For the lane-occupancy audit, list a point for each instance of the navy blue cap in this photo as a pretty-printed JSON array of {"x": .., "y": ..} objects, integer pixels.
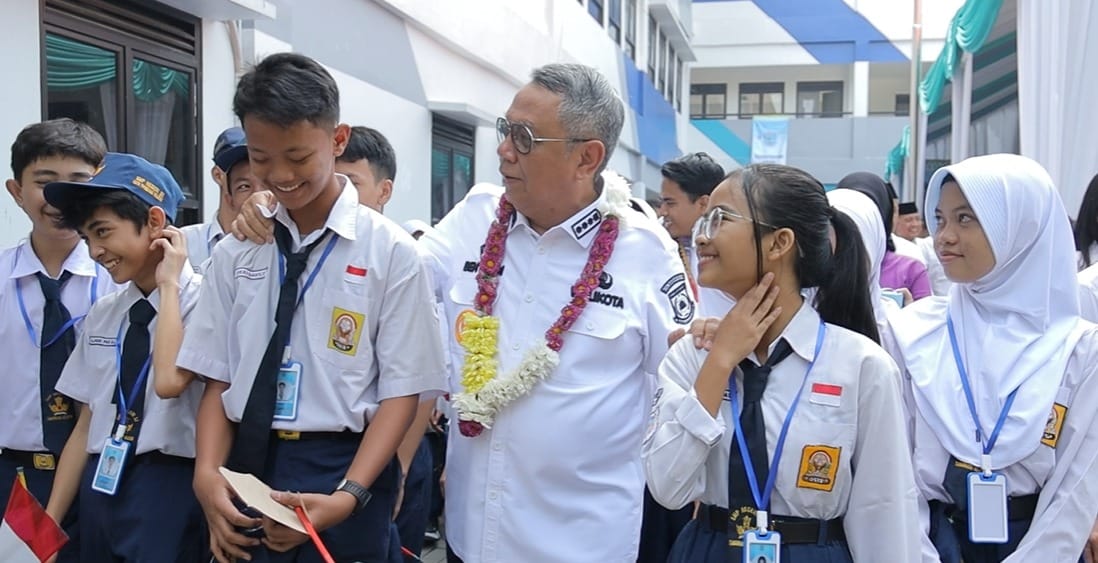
[
  {"x": 152, "y": 183},
  {"x": 230, "y": 148}
]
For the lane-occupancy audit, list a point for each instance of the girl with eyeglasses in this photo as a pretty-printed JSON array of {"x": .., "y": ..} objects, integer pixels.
[
  {"x": 790, "y": 429},
  {"x": 999, "y": 375}
]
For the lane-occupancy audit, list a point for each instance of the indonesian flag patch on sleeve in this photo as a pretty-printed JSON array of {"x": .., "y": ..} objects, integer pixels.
[{"x": 826, "y": 394}]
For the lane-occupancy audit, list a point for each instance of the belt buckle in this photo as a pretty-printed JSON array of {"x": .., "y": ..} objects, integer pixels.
[
  {"x": 44, "y": 462},
  {"x": 289, "y": 435}
]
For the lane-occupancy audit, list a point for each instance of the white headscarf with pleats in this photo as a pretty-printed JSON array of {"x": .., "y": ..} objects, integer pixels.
[
  {"x": 1016, "y": 326},
  {"x": 863, "y": 212}
]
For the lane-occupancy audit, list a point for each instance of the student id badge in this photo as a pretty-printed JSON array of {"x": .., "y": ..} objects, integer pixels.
[
  {"x": 112, "y": 460},
  {"x": 287, "y": 389},
  {"x": 987, "y": 508},
  {"x": 761, "y": 547}
]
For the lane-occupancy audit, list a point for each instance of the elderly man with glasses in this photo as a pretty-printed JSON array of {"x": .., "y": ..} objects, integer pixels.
[{"x": 550, "y": 470}]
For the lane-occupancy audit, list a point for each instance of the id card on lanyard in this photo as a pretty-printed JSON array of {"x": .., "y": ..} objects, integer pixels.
[
  {"x": 986, "y": 489},
  {"x": 762, "y": 544},
  {"x": 116, "y": 449}
]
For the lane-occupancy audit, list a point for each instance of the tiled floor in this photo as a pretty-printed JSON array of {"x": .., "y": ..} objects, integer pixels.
[{"x": 436, "y": 554}]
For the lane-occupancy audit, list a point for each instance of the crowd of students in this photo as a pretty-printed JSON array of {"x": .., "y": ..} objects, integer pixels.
[{"x": 766, "y": 372}]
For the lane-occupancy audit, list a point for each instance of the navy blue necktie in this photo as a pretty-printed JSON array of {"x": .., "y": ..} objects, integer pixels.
[
  {"x": 755, "y": 379},
  {"x": 58, "y": 416},
  {"x": 135, "y": 353},
  {"x": 249, "y": 451}
]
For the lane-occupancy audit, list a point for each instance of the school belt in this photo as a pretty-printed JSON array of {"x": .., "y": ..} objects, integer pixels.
[
  {"x": 43, "y": 461},
  {"x": 294, "y": 435},
  {"x": 157, "y": 457},
  {"x": 1021, "y": 508},
  {"x": 793, "y": 530}
]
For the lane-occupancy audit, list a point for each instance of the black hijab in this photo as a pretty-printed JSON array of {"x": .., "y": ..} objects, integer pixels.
[{"x": 881, "y": 193}]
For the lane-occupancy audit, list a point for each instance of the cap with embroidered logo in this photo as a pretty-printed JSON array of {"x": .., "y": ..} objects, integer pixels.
[
  {"x": 230, "y": 148},
  {"x": 151, "y": 183}
]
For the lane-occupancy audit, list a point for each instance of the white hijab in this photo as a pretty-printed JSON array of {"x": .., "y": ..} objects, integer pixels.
[
  {"x": 1016, "y": 326},
  {"x": 865, "y": 215}
]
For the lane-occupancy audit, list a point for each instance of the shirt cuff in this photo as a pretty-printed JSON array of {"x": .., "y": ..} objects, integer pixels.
[
  {"x": 202, "y": 365},
  {"x": 693, "y": 418}
]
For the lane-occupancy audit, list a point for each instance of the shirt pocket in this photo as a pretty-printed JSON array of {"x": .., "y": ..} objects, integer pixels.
[
  {"x": 339, "y": 333},
  {"x": 595, "y": 338},
  {"x": 815, "y": 472}
]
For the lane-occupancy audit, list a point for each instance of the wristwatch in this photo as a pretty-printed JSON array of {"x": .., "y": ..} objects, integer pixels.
[{"x": 361, "y": 494}]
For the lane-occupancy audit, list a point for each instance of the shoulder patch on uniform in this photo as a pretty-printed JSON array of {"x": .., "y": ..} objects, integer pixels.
[
  {"x": 819, "y": 466},
  {"x": 678, "y": 295},
  {"x": 1055, "y": 423},
  {"x": 584, "y": 225}
]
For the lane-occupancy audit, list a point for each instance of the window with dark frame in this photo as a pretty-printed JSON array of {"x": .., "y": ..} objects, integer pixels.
[
  {"x": 613, "y": 17},
  {"x": 453, "y": 147},
  {"x": 761, "y": 98},
  {"x": 661, "y": 66},
  {"x": 820, "y": 99},
  {"x": 131, "y": 71},
  {"x": 653, "y": 31},
  {"x": 594, "y": 7},
  {"x": 708, "y": 101},
  {"x": 631, "y": 28},
  {"x": 903, "y": 104},
  {"x": 678, "y": 84}
]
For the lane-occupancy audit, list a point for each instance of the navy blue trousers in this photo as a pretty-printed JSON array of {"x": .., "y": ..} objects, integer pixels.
[
  {"x": 951, "y": 539},
  {"x": 659, "y": 529},
  {"x": 153, "y": 518},
  {"x": 317, "y": 466},
  {"x": 700, "y": 544},
  {"x": 412, "y": 520},
  {"x": 40, "y": 483}
]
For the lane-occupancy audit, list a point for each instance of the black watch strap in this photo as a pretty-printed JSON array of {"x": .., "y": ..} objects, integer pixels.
[{"x": 361, "y": 494}]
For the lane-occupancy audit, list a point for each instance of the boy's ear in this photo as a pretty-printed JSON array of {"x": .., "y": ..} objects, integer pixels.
[
  {"x": 16, "y": 191},
  {"x": 157, "y": 221},
  {"x": 341, "y": 138},
  {"x": 386, "y": 191}
]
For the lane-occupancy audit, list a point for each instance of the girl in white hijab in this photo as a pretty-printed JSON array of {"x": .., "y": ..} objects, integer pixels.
[
  {"x": 863, "y": 212},
  {"x": 1008, "y": 344}
]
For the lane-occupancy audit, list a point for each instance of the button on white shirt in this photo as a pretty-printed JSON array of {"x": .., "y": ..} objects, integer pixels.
[
  {"x": 91, "y": 374},
  {"x": 201, "y": 239},
  {"x": 360, "y": 331},
  {"x": 871, "y": 484},
  {"x": 558, "y": 476},
  {"x": 21, "y": 400}
]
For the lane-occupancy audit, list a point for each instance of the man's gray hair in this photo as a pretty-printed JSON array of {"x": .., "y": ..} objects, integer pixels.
[{"x": 589, "y": 107}]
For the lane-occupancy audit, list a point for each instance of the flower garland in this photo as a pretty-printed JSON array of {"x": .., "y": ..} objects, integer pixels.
[{"x": 483, "y": 393}]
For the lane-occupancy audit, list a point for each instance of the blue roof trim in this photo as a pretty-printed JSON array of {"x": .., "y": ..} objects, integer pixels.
[
  {"x": 723, "y": 137},
  {"x": 830, "y": 30}
]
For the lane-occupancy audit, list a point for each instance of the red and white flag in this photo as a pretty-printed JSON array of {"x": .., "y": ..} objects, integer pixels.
[
  {"x": 28, "y": 534},
  {"x": 826, "y": 394}
]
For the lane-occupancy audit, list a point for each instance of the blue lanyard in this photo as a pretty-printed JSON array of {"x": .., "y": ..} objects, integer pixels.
[
  {"x": 312, "y": 275},
  {"x": 35, "y": 341},
  {"x": 985, "y": 462},
  {"x": 124, "y": 400},
  {"x": 762, "y": 501}
]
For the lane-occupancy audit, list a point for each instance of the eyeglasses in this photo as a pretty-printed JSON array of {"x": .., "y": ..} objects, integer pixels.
[
  {"x": 710, "y": 223},
  {"x": 522, "y": 138}
]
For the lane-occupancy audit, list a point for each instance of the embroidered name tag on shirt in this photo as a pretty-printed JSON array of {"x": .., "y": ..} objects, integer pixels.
[
  {"x": 102, "y": 340},
  {"x": 345, "y": 331},
  {"x": 826, "y": 394},
  {"x": 1055, "y": 423},
  {"x": 819, "y": 465},
  {"x": 250, "y": 274}
]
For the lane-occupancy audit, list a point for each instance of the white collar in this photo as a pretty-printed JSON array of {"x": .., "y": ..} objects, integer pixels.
[
  {"x": 26, "y": 262},
  {"x": 342, "y": 219}
]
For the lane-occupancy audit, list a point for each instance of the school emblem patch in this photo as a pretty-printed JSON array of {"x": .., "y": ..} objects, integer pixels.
[
  {"x": 1055, "y": 423},
  {"x": 679, "y": 296},
  {"x": 819, "y": 465},
  {"x": 345, "y": 331},
  {"x": 741, "y": 520},
  {"x": 60, "y": 408}
]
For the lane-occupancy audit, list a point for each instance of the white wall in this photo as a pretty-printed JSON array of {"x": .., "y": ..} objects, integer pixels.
[
  {"x": 21, "y": 99},
  {"x": 218, "y": 85}
]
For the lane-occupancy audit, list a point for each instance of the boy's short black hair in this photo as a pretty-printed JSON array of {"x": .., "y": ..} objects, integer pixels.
[
  {"x": 697, "y": 174},
  {"x": 56, "y": 137},
  {"x": 287, "y": 88},
  {"x": 78, "y": 208},
  {"x": 371, "y": 145}
]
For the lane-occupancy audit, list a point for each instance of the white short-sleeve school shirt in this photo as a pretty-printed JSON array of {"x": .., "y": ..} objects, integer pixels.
[
  {"x": 91, "y": 374},
  {"x": 845, "y": 455},
  {"x": 558, "y": 477},
  {"x": 201, "y": 239},
  {"x": 366, "y": 330},
  {"x": 21, "y": 400}
]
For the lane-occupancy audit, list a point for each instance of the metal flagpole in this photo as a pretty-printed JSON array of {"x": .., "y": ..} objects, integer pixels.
[{"x": 911, "y": 167}]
